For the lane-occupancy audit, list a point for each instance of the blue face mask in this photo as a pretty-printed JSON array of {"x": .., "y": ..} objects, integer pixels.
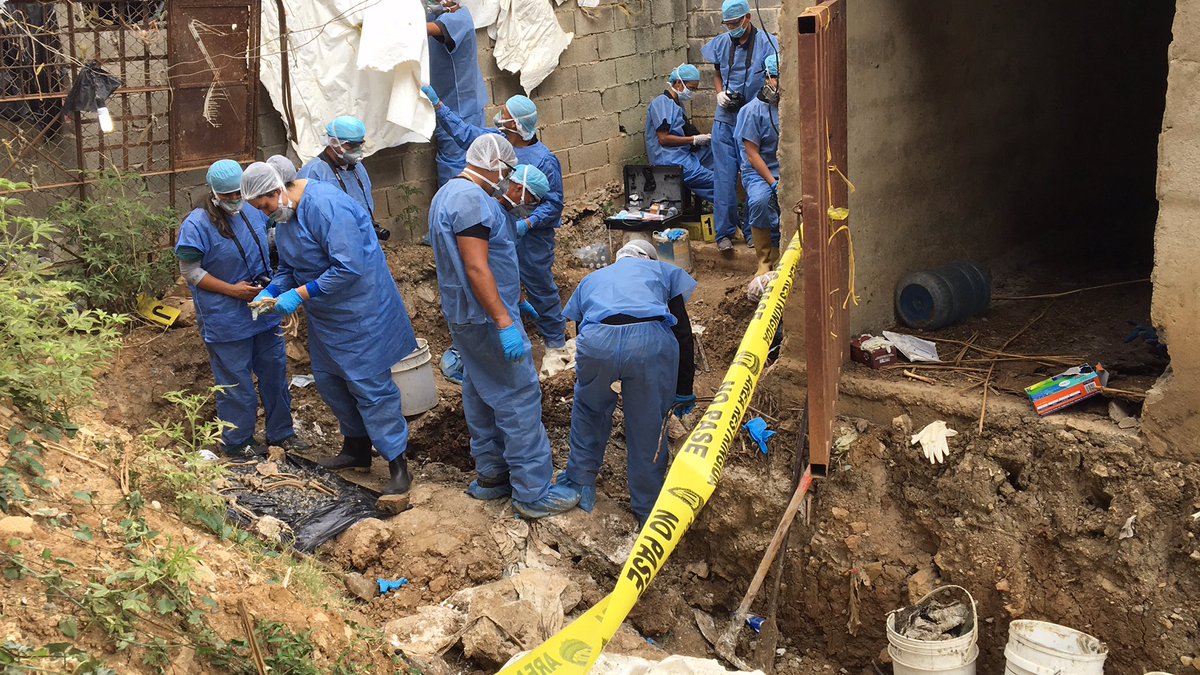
[{"x": 738, "y": 32}]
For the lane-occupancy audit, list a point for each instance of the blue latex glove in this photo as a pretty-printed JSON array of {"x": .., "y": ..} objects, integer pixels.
[
  {"x": 775, "y": 187},
  {"x": 528, "y": 311},
  {"x": 263, "y": 295},
  {"x": 757, "y": 428},
  {"x": 386, "y": 585},
  {"x": 452, "y": 366},
  {"x": 681, "y": 410},
  {"x": 674, "y": 234},
  {"x": 431, "y": 94},
  {"x": 513, "y": 343},
  {"x": 288, "y": 302},
  {"x": 522, "y": 227}
]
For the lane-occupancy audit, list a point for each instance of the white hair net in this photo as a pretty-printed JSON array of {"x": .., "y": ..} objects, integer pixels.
[
  {"x": 259, "y": 179},
  {"x": 491, "y": 152},
  {"x": 284, "y": 166},
  {"x": 638, "y": 248}
]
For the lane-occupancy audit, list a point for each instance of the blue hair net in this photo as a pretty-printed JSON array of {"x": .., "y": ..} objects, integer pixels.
[
  {"x": 523, "y": 111},
  {"x": 347, "y": 128},
  {"x": 224, "y": 176},
  {"x": 734, "y": 9},
  {"x": 532, "y": 178},
  {"x": 771, "y": 64},
  {"x": 685, "y": 72}
]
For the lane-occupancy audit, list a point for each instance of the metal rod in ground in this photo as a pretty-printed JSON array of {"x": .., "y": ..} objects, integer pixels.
[{"x": 728, "y": 641}]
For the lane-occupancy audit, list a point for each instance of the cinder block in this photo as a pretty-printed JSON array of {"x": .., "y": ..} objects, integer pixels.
[
  {"x": 596, "y": 76},
  {"x": 650, "y": 89},
  {"x": 386, "y": 168},
  {"x": 587, "y": 157},
  {"x": 666, "y": 11},
  {"x": 573, "y": 185},
  {"x": 504, "y": 87},
  {"x": 617, "y": 44},
  {"x": 558, "y": 83},
  {"x": 561, "y": 136},
  {"x": 695, "y": 57},
  {"x": 624, "y": 150},
  {"x": 602, "y": 177},
  {"x": 582, "y": 50},
  {"x": 632, "y": 119},
  {"x": 566, "y": 17},
  {"x": 704, "y": 24},
  {"x": 600, "y": 129},
  {"x": 549, "y": 110},
  {"x": 634, "y": 68},
  {"x": 582, "y": 105},
  {"x": 420, "y": 165},
  {"x": 601, "y": 22},
  {"x": 622, "y": 97}
]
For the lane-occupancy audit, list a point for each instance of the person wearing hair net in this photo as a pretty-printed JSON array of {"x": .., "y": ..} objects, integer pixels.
[
  {"x": 757, "y": 132},
  {"x": 455, "y": 75},
  {"x": 474, "y": 251},
  {"x": 633, "y": 329},
  {"x": 341, "y": 163},
  {"x": 287, "y": 173},
  {"x": 737, "y": 56},
  {"x": 536, "y": 227},
  {"x": 222, "y": 252},
  {"x": 358, "y": 327},
  {"x": 672, "y": 139}
]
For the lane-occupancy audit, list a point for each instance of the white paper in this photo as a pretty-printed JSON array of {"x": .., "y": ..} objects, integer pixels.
[{"x": 913, "y": 348}]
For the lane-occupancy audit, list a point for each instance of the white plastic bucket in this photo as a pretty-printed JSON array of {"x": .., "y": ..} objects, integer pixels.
[
  {"x": 943, "y": 657},
  {"x": 414, "y": 376},
  {"x": 1042, "y": 648}
]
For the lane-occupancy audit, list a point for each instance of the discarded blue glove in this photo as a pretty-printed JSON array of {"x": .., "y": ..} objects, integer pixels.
[
  {"x": 431, "y": 95},
  {"x": 757, "y": 428},
  {"x": 522, "y": 227},
  {"x": 288, "y": 302},
  {"x": 775, "y": 187},
  {"x": 452, "y": 366},
  {"x": 528, "y": 311},
  {"x": 674, "y": 234},
  {"x": 386, "y": 585},
  {"x": 680, "y": 409},
  {"x": 1148, "y": 335},
  {"x": 513, "y": 343}
]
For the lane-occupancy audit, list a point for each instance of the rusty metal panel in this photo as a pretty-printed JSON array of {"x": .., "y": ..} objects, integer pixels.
[
  {"x": 828, "y": 288},
  {"x": 213, "y": 66}
]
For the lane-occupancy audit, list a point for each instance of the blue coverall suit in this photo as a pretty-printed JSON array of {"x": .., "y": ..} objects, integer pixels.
[
  {"x": 238, "y": 346},
  {"x": 455, "y": 75},
  {"x": 666, "y": 114},
  {"x": 644, "y": 356},
  {"x": 535, "y": 251},
  {"x": 502, "y": 400},
  {"x": 758, "y": 122},
  {"x": 358, "y": 327},
  {"x": 743, "y": 73}
]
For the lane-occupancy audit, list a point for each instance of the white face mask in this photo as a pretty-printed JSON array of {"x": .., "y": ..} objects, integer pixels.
[
  {"x": 499, "y": 190},
  {"x": 685, "y": 95},
  {"x": 231, "y": 206},
  {"x": 285, "y": 211}
]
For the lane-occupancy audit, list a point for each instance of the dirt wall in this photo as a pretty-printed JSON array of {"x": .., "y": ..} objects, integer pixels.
[{"x": 1171, "y": 422}]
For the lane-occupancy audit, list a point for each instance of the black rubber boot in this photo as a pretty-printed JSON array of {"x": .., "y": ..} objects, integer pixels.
[
  {"x": 395, "y": 494},
  {"x": 355, "y": 454}
]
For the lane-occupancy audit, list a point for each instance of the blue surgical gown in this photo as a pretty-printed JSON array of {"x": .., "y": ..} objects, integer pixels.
[
  {"x": 666, "y": 114},
  {"x": 741, "y": 78},
  {"x": 758, "y": 122},
  {"x": 358, "y": 326},
  {"x": 633, "y": 286},
  {"x": 222, "y": 318},
  {"x": 354, "y": 182},
  {"x": 455, "y": 75}
]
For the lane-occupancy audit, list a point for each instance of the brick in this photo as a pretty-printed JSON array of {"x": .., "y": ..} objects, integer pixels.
[
  {"x": 562, "y": 81},
  {"x": 654, "y": 38},
  {"x": 650, "y": 89},
  {"x": 624, "y": 150},
  {"x": 561, "y": 136},
  {"x": 666, "y": 11},
  {"x": 549, "y": 111},
  {"x": 695, "y": 57},
  {"x": 582, "y": 50},
  {"x": 596, "y": 76},
  {"x": 623, "y": 97},
  {"x": 582, "y": 105},
  {"x": 566, "y": 18},
  {"x": 634, "y": 68},
  {"x": 587, "y": 157},
  {"x": 504, "y": 87},
  {"x": 573, "y": 185},
  {"x": 632, "y": 120},
  {"x": 600, "y": 129},
  {"x": 601, "y": 22},
  {"x": 419, "y": 165},
  {"x": 706, "y": 4},
  {"x": 618, "y": 43}
]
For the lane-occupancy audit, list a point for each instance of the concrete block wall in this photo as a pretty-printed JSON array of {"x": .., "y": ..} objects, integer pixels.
[{"x": 591, "y": 109}]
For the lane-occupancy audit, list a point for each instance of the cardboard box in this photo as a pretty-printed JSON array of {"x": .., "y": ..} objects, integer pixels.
[
  {"x": 1067, "y": 388},
  {"x": 872, "y": 352}
]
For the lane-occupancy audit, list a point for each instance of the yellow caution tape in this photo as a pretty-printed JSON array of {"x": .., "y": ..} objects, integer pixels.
[
  {"x": 153, "y": 310},
  {"x": 689, "y": 484}
]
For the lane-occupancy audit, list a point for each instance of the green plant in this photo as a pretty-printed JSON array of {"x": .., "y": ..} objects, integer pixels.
[
  {"x": 119, "y": 241},
  {"x": 409, "y": 216},
  {"x": 48, "y": 346}
]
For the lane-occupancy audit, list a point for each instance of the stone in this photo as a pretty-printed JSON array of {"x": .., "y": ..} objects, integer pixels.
[
  {"x": 429, "y": 632},
  {"x": 426, "y": 293},
  {"x": 858, "y": 527},
  {"x": 1003, "y": 586},
  {"x": 438, "y": 584},
  {"x": 16, "y": 526},
  {"x": 902, "y": 424},
  {"x": 839, "y": 513},
  {"x": 204, "y": 574},
  {"x": 699, "y": 568},
  {"x": 364, "y": 541},
  {"x": 853, "y": 542},
  {"x": 359, "y": 586},
  {"x": 922, "y": 582},
  {"x": 270, "y": 527}
]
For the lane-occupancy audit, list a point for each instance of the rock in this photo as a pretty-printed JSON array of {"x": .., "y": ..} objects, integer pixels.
[
  {"x": 1064, "y": 436},
  {"x": 902, "y": 425},
  {"x": 861, "y": 425},
  {"x": 359, "y": 586},
  {"x": 16, "y": 526},
  {"x": 204, "y": 574},
  {"x": 839, "y": 513},
  {"x": 1128, "y": 423},
  {"x": 922, "y": 582},
  {"x": 1003, "y": 586},
  {"x": 1120, "y": 410},
  {"x": 528, "y": 606},
  {"x": 365, "y": 541},
  {"x": 699, "y": 568},
  {"x": 270, "y": 527},
  {"x": 297, "y": 353},
  {"x": 426, "y": 293},
  {"x": 858, "y": 527},
  {"x": 429, "y": 632},
  {"x": 438, "y": 584},
  {"x": 853, "y": 542}
]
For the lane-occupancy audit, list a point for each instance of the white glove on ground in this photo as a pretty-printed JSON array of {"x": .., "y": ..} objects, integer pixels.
[
  {"x": 933, "y": 441},
  {"x": 701, "y": 139},
  {"x": 722, "y": 98}
]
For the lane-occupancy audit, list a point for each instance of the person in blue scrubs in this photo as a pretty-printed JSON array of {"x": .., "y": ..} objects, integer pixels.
[
  {"x": 223, "y": 255},
  {"x": 672, "y": 139},
  {"x": 757, "y": 133},
  {"x": 358, "y": 327},
  {"x": 475, "y": 252},
  {"x": 633, "y": 328},
  {"x": 340, "y": 163},
  {"x": 737, "y": 55},
  {"x": 455, "y": 75},
  {"x": 517, "y": 122}
]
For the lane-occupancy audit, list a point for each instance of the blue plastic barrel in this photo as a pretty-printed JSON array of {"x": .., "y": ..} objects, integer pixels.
[{"x": 933, "y": 299}]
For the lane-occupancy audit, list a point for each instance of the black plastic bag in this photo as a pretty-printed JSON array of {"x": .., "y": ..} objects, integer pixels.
[{"x": 91, "y": 89}]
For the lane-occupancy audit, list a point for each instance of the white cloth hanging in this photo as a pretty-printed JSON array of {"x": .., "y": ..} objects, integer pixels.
[{"x": 528, "y": 39}]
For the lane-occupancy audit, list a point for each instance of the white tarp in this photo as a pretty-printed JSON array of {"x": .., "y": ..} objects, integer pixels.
[
  {"x": 351, "y": 57},
  {"x": 528, "y": 38}
]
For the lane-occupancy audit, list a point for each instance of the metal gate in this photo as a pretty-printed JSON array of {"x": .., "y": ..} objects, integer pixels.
[{"x": 189, "y": 74}]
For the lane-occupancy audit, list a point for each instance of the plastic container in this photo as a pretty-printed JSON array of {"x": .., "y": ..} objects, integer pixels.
[
  {"x": 414, "y": 376},
  {"x": 677, "y": 252},
  {"x": 592, "y": 256},
  {"x": 1041, "y": 648},
  {"x": 942, "y": 296},
  {"x": 934, "y": 657}
]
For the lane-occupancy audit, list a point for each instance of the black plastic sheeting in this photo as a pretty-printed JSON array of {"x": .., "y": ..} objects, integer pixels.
[
  {"x": 91, "y": 89},
  {"x": 314, "y": 517}
]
